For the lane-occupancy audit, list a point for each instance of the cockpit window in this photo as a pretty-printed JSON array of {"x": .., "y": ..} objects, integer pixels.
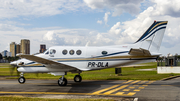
[
  {"x": 46, "y": 52},
  {"x": 52, "y": 51}
]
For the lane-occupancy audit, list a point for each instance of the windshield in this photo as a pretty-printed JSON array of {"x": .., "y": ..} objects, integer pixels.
[
  {"x": 52, "y": 51},
  {"x": 47, "y": 51}
]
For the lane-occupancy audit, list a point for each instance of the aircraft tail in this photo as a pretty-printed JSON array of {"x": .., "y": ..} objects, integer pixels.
[{"x": 152, "y": 38}]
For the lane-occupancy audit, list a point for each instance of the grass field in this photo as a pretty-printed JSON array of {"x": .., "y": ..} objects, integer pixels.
[
  {"x": 46, "y": 99},
  {"x": 128, "y": 73}
]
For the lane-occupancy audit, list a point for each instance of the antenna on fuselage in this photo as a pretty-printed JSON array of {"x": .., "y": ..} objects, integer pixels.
[{"x": 87, "y": 44}]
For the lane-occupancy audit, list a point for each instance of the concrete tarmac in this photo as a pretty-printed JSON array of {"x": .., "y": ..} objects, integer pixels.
[{"x": 131, "y": 89}]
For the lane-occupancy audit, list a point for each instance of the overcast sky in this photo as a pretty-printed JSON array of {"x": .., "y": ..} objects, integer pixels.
[{"x": 76, "y": 22}]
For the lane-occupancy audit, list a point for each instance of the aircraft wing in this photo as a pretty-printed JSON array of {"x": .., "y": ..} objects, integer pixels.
[
  {"x": 139, "y": 52},
  {"x": 44, "y": 61}
]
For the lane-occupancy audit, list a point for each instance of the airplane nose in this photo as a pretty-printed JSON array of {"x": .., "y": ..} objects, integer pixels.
[{"x": 13, "y": 63}]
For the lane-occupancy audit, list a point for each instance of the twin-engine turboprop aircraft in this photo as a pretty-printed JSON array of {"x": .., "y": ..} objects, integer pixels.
[{"x": 58, "y": 60}]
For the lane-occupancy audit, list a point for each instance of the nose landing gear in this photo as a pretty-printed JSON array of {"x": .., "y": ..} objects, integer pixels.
[{"x": 21, "y": 80}]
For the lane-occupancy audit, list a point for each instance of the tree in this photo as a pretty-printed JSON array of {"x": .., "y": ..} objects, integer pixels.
[{"x": 1, "y": 56}]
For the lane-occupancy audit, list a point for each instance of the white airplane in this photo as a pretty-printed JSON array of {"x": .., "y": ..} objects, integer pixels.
[{"x": 58, "y": 60}]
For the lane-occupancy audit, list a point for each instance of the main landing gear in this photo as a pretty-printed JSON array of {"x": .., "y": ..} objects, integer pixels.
[
  {"x": 63, "y": 81},
  {"x": 21, "y": 80},
  {"x": 77, "y": 78}
]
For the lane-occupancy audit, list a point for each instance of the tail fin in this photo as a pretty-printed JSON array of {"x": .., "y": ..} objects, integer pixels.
[{"x": 152, "y": 38}]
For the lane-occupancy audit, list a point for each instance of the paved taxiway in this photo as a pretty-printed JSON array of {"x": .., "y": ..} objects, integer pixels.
[{"x": 143, "y": 90}]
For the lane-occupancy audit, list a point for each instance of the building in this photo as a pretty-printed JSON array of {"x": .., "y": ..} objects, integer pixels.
[
  {"x": 13, "y": 49},
  {"x": 42, "y": 48},
  {"x": 25, "y": 46},
  {"x": 18, "y": 48},
  {"x": 6, "y": 53},
  {"x": 169, "y": 64}
]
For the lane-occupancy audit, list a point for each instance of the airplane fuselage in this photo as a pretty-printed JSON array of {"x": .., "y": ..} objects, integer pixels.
[{"x": 82, "y": 58}]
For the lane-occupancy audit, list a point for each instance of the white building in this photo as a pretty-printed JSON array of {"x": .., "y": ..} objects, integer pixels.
[{"x": 6, "y": 53}]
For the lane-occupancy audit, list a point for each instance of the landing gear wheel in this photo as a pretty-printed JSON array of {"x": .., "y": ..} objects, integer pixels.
[
  {"x": 62, "y": 82},
  {"x": 77, "y": 78},
  {"x": 22, "y": 80}
]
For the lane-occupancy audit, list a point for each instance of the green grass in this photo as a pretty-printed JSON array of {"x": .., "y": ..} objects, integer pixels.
[
  {"x": 128, "y": 73},
  {"x": 4, "y": 64},
  {"x": 46, "y": 99}
]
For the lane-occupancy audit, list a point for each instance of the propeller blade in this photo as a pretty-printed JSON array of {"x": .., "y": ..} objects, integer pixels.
[
  {"x": 37, "y": 74},
  {"x": 11, "y": 69}
]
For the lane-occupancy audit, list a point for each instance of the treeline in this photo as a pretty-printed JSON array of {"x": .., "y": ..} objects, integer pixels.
[
  {"x": 161, "y": 58},
  {"x": 10, "y": 58}
]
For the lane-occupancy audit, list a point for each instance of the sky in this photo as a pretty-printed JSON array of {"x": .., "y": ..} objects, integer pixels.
[{"x": 77, "y": 22}]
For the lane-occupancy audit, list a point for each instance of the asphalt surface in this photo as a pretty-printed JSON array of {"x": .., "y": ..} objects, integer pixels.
[{"x": 143, "y": 90}]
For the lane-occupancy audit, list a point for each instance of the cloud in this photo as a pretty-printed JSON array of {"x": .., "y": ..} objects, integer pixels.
[
  {"x": 99, "y": 21},
  {"x": 77, "y": 37},
  {"x": 106, "y": 17},
  {"x": 120, "y": 33},
  {"x": 166, "y": 7},
  {"x": 38, "y": 8},
  {"x": 116, "y": 29},
  {"x": 117, "y": 6},
  {"x": 53, "y": 38},
  {"x": 130, "y": 31},
  {"x": 159, "y": 11}
]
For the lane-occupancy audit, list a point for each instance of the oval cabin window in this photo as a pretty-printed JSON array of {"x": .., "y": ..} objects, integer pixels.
[
  {"x": 104, "y": 52},
  {"x": 64, "y": 52},
  {"x": 71, "y": 52},
  {"x": 78, "y": 52}
]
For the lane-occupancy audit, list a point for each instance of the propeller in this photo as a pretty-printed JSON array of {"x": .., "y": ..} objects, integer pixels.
[{"x": 13, "y": 66}]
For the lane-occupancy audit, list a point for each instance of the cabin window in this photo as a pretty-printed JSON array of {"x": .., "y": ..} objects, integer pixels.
[
  {"x": 52, "y": 51},
  {"x": 104, "y": 52},
  {"x": 64, "y": 52},
  {"x": 78, "y": 52},
  {"x": 71, "y": 52}
]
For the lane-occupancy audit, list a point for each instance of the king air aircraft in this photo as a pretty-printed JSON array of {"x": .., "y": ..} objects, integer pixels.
[{"x": 58, "y": 60}]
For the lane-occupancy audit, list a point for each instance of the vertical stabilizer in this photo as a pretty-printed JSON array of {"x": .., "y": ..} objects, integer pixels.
[{"x": 152, "y": 38}]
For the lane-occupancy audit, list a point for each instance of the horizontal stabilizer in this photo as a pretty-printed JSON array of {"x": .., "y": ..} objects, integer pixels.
[{"x": 139, "y": 52}]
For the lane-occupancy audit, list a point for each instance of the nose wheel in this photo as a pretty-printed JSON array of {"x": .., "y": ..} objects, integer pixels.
[
  {"x": 21, "y": 80},
  {"x": 77, "y": 78}
]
